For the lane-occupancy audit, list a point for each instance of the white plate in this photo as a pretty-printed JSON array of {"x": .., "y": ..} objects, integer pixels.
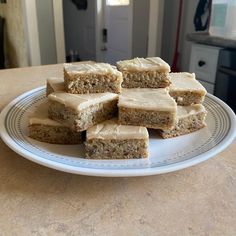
[{"x": 165, "y": 155}]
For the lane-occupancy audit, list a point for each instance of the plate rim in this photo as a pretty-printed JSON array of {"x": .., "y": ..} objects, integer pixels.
[{"x": 114, "y": 172}]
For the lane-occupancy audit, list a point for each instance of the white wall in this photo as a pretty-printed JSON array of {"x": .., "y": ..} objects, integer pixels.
[
  {"x": 140, "y": 27},
  {"x": 169, "y": 31},
  {"x": 99, "y": 24},
  {"x": 187, "y": 27},
  {"x": 160, "y": 15},
  {"x": 31, "y": 32},
  {"x": 59, "y": 30},
  {"x": 79, "y": 27},
  {"x": 47, "y": 42}
]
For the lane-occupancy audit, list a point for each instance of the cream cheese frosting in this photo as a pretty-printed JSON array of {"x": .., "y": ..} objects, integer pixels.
[
  {"x": 144, "y": 64},
  {"x": 111, "y": 129},
  {"x": 81, "y": 101},
  {"x": 91, "y": 68},
  {"x": 185, "y": 81},
  {"x": 147, "y": 99},
  {"x": 184, "y": 111},
  {"x": 40, "y": 116},
  {"x": 57, "y": 84}
]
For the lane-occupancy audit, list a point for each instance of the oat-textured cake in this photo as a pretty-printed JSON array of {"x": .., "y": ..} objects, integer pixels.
[
  {"x": 151, "y": 72},
  {"x": 151, "y": 108},
  {"x": 81, "y": 111},
  {"x": 185, "y": 89},
  {"x": 92, "y": 78},
  {"x": 190, "y": 119},
  {"x": 110, "y": 140},
  {"x": 47, "y": 130},
  {"x": 54, "y": 84}
]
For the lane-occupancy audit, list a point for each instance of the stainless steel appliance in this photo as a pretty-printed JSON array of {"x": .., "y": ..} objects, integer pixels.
[{"x": 225, "y": 87}]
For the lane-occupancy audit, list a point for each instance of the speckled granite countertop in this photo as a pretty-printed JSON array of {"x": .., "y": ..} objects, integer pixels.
[
  {"x": 36, "y": 200},
  {"x": 205, "y": 38}
]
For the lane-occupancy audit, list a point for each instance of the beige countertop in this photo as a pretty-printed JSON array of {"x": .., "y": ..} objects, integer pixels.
[{"x": 35, "y": 200}]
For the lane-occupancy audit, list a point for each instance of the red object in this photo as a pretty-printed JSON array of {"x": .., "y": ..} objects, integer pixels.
[{"x": 176, "y": 54}]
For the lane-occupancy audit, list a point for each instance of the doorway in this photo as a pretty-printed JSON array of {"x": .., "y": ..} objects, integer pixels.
[
  {"x": 79, "y": 28},
  {"x": 101, "y": 30},
  {"x": 106, "y": 30},
  {"x": 118, "y": 31}
]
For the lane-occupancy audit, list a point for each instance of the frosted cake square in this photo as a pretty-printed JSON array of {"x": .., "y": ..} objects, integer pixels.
[
  {"x": 47, "y": 130},
  {"x": 81, "y": 111},
  {"x": 185, "y": 89},
  {"x": 54, "y": 84},
  {"x": 151, "y": 72},
  {"x": 92, "y": 78},
  {"x": 190, "y": 119},
  {"x": 151, "y": 108},
  {"x": 110, "y": 140}
]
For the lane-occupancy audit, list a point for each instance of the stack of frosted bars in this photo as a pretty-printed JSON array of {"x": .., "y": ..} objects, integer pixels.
[
  {"x": 86, "y": 96},
  {"x": 84, "y": 103},
  {"x": 113, "y": 107},
  {"x": 189, "y": 95},
  {"x": 155, "y": 98}
]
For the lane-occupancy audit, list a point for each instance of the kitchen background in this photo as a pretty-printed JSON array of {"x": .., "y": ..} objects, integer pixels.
[{"x": 39, "y": 32}]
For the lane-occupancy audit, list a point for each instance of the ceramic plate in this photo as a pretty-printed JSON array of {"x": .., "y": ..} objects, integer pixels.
[{"x": 165, "y": 155}]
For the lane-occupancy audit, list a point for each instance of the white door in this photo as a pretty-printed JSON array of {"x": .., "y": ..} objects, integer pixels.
[{"x": 118, "y": 22}]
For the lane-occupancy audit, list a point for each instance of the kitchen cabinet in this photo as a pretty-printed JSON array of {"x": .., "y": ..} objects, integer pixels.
[{"x": 203, "y": 62}]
